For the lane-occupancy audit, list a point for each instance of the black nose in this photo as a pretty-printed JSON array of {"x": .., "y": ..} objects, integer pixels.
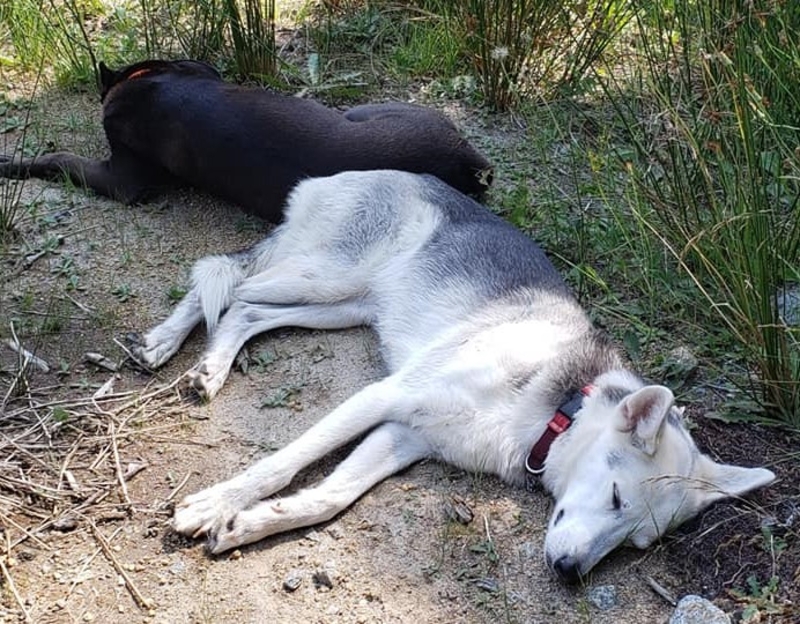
[{"x": 567, "y": 569}]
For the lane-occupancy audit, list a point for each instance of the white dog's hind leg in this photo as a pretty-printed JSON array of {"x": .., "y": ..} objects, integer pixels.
[
  {"x": 161, "y": 342},
  {"x": 245, "y": 320},
  {"x": 385, "y": 451},
  {"x": 215, "y": 506}
]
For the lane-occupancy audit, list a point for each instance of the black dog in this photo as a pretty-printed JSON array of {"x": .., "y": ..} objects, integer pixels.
[{"x": 177, "y": 123}]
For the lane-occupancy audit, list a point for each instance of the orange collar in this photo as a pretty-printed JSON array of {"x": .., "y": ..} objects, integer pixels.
[{"x": 138, "y": 73}]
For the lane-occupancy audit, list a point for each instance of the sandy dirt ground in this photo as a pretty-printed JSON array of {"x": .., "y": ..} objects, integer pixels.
[{"x": 395, "y": 556}]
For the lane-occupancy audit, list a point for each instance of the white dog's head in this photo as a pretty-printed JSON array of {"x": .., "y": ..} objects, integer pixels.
[{"x": 627, "y": 472}]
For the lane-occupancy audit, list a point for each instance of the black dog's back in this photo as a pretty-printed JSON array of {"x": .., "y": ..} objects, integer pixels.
[
  {"x": 177, "y": 123},
  {"x": 251, "y": 145}
]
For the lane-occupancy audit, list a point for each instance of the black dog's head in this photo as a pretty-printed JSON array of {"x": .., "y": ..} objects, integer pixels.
[{"x": 109, "y": 77}]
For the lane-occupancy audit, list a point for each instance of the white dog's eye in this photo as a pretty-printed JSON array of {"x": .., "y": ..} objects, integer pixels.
[{"x": 616, "y": 500}]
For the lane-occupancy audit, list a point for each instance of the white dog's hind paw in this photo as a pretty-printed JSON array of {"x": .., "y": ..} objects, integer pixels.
[
  {"x": 225, "y": 536},
  {"x": 149, "y": 353},
  {"x": 205, "y": 382},
  {"x": 248, "y": 526}
]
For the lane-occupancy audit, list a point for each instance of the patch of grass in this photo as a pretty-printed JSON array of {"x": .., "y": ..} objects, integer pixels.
[
  {"x": 123, "y": 292},
  {"x": 523, "y": 47},
  {"x": 11, "y": 190},
  {"x": 716, "y": 176},
  {"x": 71, "y": 36},
  {"x": 426, "y": 47},
  {"x": 285, "y": 396},
  {"x": 176, "y": 293}
]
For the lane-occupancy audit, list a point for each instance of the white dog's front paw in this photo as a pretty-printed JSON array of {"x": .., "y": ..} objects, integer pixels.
[
  {"x": 150, "y": 352},
  {"x": 205, "y": 512},
  {"x": 207, "y": 380}
]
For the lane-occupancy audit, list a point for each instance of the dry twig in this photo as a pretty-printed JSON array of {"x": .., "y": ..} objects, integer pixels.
[
  {"x": 12, "y": 586},
  {"x": 145, "y": 603},
  {"x": 64, "y": 457}
]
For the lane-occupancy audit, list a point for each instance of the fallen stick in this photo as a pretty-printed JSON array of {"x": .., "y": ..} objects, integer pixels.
[
  {"x": 10, "y": 584},
  {"x": 145, "y": 603}
]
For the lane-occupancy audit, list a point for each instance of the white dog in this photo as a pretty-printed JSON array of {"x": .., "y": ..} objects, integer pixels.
[{"x": 490, "y": 358}]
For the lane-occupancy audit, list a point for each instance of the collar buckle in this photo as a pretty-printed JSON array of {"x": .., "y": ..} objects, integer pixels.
[{"x": 558, "y": 424}]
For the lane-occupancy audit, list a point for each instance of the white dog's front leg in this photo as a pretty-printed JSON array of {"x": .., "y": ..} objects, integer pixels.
[
  {"x": 385, "y": 451},
  {"x": 212, "y": 508},
  {"x": 161, "y": 342}
]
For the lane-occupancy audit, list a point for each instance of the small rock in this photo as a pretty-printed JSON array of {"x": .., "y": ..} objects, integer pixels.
[
  {"x": 292, "y": 581},
  {"x": 679, "y": 364},
  {"x": 177, "y": 568},
  {"x": 789, "y": 303},
  {"x": 488, "y": 584},
  {"x": 66, "y": 524},
  {"x": 529, "y": 550},
  {"x": 457, "y": 510},
  {"x": 696, "y": 610},
  {"x": 604, "y": 597},
  {"x": 312, "y": 536},
  {"x": 236, "y": 555},
  {"x": 322, "y": 579}
]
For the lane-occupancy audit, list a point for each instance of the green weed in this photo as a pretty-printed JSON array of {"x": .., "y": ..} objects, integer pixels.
[
  {"x": 716, "y": 177},
  {"x": 524, "y": 47},
  {"x": 73, "y": 35},
  {"x": 285, "y": 396},
  {"x": 123, "y": 292},
  {"x": 175, "y": 294}
]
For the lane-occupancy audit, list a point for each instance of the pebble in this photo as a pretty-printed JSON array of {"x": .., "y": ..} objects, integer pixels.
[
  {"x": 529, "y": 550},
  {"x": 680, "y": 363},
  {"x": 697, "y": 610},
  {"x": 322, "y": 579},
  {"x": 457, "y": 510},
  {"x": 292, "y": 581},
  {"x": 65, "y": 525},
  {"x": 604, "y": 597},
  {"x": 488, "y": 584}
]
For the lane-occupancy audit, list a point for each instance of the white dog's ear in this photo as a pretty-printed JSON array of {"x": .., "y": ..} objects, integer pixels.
[
  {"x": 714, "y": 481},
  {"x": 644, "y": 413}
]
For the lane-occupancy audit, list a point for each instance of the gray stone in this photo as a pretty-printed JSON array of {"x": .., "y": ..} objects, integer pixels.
[
  {"x": 488, "y": 584},
  {"x": 322, "y": 580},
  {"x": 292, "y": 580},
  {"x": 697, "y": 610},
  {"x": 604, "y": 597},
  {"x": 789, "y": 304},
  {"x": 679, "y": 363}
]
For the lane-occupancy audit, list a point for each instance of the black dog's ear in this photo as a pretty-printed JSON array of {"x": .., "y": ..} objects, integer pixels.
[{"x": 107, "y": 78}]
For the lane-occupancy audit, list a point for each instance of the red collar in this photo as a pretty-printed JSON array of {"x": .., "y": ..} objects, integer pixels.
[
  {"x": 138, "y": 73},
  {"x": 558, "y": 424}
]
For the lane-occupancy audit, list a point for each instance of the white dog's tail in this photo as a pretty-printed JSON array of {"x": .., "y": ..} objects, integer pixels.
[{"x": 215, "y": 279}]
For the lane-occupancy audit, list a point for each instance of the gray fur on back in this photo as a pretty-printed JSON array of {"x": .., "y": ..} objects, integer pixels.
[{"x": 476, "y": 245}]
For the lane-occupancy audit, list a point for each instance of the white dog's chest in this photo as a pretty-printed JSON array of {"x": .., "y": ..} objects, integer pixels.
[{"x": 471, "y": 404}]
